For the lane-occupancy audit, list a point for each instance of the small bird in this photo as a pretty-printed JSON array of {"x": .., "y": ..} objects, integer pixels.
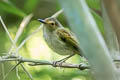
[{"x": 59, "y": 39}]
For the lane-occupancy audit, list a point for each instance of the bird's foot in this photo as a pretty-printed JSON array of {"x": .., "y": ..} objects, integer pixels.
[{"x": 58, "y": 63}]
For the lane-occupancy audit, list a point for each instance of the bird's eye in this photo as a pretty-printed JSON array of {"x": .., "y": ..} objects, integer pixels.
[{"x": 52, "y": 24}]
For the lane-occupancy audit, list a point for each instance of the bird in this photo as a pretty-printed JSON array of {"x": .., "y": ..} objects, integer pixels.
[{"x": 59, "y": 39}]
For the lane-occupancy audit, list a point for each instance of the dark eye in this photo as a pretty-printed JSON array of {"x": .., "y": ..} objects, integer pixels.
[{"x": 52, "y": 23}]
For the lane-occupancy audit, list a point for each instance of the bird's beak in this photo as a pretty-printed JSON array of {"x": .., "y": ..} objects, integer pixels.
[{"x": 42, "y": 21}]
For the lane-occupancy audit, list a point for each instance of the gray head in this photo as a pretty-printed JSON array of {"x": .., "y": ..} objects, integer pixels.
[{"x": 50, "y": 23}]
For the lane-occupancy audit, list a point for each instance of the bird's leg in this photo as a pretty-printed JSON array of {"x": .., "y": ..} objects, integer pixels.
[
  {"x": 63, "y": 60},
  {"x": 66, "y": 58}
]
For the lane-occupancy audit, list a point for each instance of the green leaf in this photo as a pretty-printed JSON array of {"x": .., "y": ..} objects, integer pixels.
[
  {"x": 94, "y": 4},
  {"x": 99, "y": 21},
  {"x": 30, "y": 5},
  {"x": 91, "y": 41},
  {"x": 10, "y": 8}
]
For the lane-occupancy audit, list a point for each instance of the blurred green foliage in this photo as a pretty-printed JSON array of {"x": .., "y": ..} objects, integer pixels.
[
  {"x": 10, "y": 8},
  {"x": 12, "y": 12}
]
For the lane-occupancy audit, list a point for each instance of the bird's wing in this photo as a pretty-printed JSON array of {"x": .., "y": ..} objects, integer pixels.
[{"x": 67, "y": 37}]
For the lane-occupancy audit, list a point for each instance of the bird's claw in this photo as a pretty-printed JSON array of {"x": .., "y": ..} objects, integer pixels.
[{"x": 58, "y": 63}]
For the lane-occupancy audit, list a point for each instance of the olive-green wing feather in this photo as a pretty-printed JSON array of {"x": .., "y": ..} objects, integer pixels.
[{"x": 68, "y": 38}]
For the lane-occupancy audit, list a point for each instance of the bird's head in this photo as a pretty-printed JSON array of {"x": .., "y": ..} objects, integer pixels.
[{"x": 50, "y": 23}]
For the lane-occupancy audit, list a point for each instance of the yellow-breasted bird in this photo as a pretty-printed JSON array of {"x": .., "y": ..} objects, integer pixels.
[{"x": 59, "y": 39}]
